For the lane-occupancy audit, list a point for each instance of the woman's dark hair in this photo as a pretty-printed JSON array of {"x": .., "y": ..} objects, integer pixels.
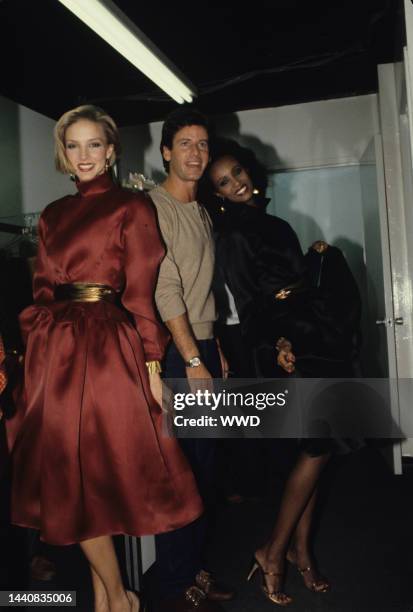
[
  {"x": 175, "y": 121},
  {"x": 225, "y": 147}
]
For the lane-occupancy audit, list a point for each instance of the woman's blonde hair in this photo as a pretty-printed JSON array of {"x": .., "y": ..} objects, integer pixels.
[{"x": 91, "y": 113}]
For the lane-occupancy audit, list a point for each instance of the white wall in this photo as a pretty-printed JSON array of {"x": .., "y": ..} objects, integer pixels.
[
  {"x": 10, "y": 182},
  {"x": 29, "y": 180},
  {"x": 300, "y": 136},
  {"x": 313, "y": 152},
  {"x": 319, "y": 159},
  {"x": 320, "y": 204},
  {"x": 41, "y": 183},
  {"x": 315, "y": 134},
  {"x": 140, "y": 151}
]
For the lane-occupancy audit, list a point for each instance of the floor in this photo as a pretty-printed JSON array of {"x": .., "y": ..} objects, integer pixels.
[{"x": 364, "y": 544}]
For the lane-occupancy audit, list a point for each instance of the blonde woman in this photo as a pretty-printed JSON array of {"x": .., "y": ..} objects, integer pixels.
[{"x": 89, "y": 460}]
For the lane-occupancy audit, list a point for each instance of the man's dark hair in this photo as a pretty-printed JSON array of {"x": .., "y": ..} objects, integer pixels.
[{"x": 175, "y": 121}]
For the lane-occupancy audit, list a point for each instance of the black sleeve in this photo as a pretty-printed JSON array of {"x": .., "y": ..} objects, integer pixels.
[{"x": 241, "y": 261}]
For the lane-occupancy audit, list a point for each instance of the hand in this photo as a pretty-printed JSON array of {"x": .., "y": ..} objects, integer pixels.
[
  {"x": 161, "y": 393},
  {"x": 286, "y": 360},
  {"x": 155, "y": 383},
  {"x": 199, "y": 378},
  {"x": 285, "y": 357}
]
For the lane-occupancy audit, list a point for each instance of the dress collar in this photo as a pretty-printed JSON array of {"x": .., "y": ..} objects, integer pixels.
[
  {"x": 244, "y": 210},
  {"x": 97, "y": 185}
]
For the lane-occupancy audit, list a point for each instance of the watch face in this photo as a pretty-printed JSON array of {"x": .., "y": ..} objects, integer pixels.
[{"x": 195, "y": 362}]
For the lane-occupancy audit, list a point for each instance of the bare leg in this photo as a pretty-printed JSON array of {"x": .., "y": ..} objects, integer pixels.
[
  {"x": 300, "y": 544},
  {"x": 297, "y": 505},
  {"x": 106, "y": 577},
  {"x": 300, "y": 553},
  {"x": 101, "y": 597}
]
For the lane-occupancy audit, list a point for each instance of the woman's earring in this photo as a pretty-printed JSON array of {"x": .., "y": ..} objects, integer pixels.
[
  {"x": 255, "y": 191},
  {"x": 72, "y": 176},
  {"x": 222, "y": 205},
  {"x": 107, "y": 165}
]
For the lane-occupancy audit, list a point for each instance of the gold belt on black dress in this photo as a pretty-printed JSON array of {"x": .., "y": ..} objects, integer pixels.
[{"x": 84, "y": 292}]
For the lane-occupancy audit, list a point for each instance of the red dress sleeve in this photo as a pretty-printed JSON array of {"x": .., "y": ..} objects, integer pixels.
[
  {"x": 43, "y": 286},
  {"x": 144, "y": 252}
]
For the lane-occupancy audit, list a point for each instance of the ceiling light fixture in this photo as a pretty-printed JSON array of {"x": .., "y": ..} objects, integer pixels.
[{"x": 111, "y": 24}]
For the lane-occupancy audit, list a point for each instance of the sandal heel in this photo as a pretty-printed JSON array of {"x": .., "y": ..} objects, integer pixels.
[
  {"x": 253, "y": 569},
  {"x": 278, "y": 597}
]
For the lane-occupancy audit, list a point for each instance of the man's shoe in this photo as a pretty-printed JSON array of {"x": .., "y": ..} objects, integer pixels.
[
  {"x": 193, "y": 600},
  {"x": 212, "y": 589}
]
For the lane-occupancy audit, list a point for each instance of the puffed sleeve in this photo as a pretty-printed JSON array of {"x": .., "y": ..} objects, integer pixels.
[
  {"x": 43, "y": 287},
  {"x": 143, "y": 251}
]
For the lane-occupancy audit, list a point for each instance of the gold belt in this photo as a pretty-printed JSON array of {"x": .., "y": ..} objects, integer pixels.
[{"x": 84, "y": 292}]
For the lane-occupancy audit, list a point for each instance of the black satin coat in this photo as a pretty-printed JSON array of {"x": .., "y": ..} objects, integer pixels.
[{"x": 260, "y": 254}]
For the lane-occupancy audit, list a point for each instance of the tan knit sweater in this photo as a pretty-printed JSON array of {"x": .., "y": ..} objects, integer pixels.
[{"x": 185, "y": 275}]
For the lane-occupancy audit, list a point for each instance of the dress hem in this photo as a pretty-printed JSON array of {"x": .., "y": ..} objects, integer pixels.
[{"x": 97, "y": 535}]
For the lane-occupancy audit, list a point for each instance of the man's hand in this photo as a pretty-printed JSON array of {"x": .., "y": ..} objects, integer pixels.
[
  {"x": 184, "y": 339},
  {"x": 199, "y": 378}
]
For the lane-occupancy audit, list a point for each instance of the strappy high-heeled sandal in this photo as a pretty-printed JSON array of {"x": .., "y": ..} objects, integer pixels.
[
  {"x": 318, "y": 585},
  {"x": 277, "y": 597}
]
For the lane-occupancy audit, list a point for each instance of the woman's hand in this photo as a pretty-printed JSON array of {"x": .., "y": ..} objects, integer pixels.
[
  {"x": 155, "y": 383},
  {"x": 285, "y": 357},
  {"x": 162, "y": 394}
]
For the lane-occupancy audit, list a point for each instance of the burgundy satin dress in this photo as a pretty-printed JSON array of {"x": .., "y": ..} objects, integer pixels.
[{"x": 88, "y": 453}]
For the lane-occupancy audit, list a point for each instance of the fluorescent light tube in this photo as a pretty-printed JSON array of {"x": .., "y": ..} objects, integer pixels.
[{"x": 111, "y": 24}]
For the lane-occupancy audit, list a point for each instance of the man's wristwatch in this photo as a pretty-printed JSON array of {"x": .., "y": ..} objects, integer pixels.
[{"x": 194, "y": 362}]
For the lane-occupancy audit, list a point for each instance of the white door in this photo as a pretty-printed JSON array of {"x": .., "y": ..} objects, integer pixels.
[
  {"x": 379, "y": 351},
  {"x": 391, "y": 283},
  {"x": 395, "y": 100},
  {"x": 404, "y": 338}
]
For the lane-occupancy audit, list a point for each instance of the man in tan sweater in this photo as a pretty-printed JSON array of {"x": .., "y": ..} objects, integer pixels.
[
  {"x": 183, "y": 295},
  {"x": 186, "y": 304}
]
